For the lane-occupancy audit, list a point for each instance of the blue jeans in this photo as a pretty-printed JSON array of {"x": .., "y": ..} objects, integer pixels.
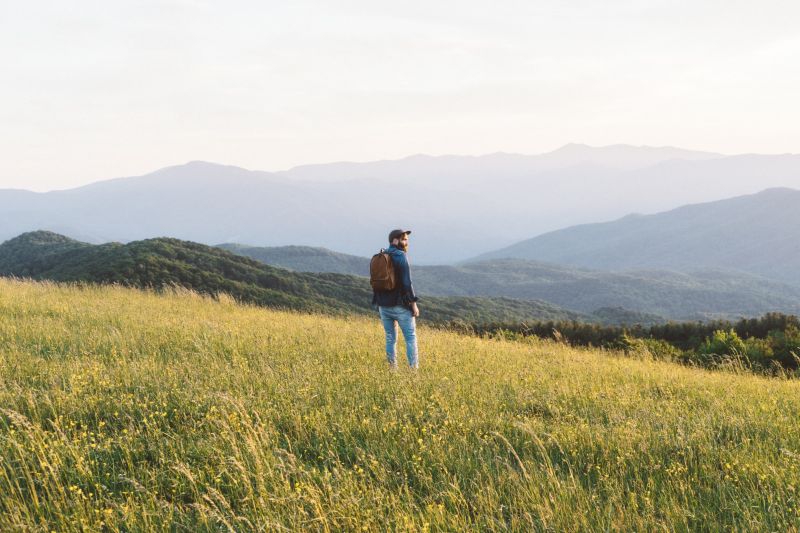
[{"x": 402, "y": 315}]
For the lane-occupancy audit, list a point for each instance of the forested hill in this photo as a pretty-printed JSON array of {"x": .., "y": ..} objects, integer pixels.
[
  {"x": 303, "y": 258},
  {"x": 164, "y": 262},
  {"x": 758, "y": 234},
  {"x": 643, "y": 296}
]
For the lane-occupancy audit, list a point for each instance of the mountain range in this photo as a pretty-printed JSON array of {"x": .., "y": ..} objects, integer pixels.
[
  {"x": 655, "y": 294},
  {"x": 757, "y": 234},
  {"x": 459, "y": 207},
  {"x": 166, "y": 262}
]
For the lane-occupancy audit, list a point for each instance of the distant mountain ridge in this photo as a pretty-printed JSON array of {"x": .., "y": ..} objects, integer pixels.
[
  {"x": 700, "y": 294},
  {"x": 618, "y": 156},
  {"x": 757, "y": 234},
  {"x": 303, "y": 258},
  {"x": 168, "y": 262},
  {"x": 458, "y": 206}
]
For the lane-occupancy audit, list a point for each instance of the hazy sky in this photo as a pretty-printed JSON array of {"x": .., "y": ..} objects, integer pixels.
[{"x": 91, "y": 90}]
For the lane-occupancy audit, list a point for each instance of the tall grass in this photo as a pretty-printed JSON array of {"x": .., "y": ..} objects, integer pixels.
[{"x": 127, "y": 410}]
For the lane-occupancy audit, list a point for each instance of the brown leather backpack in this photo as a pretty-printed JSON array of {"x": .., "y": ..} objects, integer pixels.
[{"x": 381, "y": 272}]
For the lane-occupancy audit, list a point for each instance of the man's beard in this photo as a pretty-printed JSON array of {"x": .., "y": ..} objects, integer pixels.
[{"x": 401, "y": 246}]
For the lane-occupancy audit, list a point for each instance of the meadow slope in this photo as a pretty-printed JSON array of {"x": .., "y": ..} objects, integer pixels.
[{"x": 129, "y": 410}]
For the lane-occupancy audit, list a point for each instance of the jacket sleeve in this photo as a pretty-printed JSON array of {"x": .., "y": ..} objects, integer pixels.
[{"x": 407, "y": 292}]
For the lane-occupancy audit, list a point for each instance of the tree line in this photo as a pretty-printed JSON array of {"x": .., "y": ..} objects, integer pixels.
[{"x": 767, "y": 344}]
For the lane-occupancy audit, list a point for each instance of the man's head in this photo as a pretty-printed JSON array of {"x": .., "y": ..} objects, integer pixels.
[{"x": 399, "y": 238}]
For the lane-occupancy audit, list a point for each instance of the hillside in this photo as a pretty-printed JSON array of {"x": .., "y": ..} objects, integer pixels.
[
  {"x": 458, "y": 206},
  {"x": 698, "y": 294},
  {"x": 123, "y": 410},
  {"x": 165, "y": 262},
  {"x": 303, "y": 258},
  {"x": 758, "y": 234},
  {"x": 645, "y": 296}
]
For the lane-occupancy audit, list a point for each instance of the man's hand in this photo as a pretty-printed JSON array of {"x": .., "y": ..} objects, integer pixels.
[{"x": 414, "y": 309}]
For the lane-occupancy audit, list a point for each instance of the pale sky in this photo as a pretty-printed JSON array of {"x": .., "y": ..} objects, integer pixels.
[{"x": 91, "y": 90}]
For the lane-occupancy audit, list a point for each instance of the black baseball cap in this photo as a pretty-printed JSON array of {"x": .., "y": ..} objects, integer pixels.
[{"x": 397, "y": 233}]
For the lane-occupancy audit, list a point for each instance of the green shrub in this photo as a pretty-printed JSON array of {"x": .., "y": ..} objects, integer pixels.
[
  {"x": 786, "y": 345},
  {"x": 759, "y": 351},
  {"x": 647, "y": 348},
  {"x": 723, "y": 342},
  {"x": 661, "y": 350}
]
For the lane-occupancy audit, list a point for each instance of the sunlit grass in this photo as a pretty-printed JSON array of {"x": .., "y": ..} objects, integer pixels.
[{"x": 129, "y": 410}]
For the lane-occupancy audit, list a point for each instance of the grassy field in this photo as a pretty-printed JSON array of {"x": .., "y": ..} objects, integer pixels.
[{"x": 127, "y": 410}]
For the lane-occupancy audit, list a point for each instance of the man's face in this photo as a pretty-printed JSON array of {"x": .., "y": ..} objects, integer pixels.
[{"x": 402, "y": 242}]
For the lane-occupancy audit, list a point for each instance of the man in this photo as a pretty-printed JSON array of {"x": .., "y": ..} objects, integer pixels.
[{"x": 399, "y": 306}]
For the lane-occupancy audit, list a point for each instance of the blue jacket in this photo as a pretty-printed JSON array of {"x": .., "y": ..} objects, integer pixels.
[{"x": 403, "y": 294}]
